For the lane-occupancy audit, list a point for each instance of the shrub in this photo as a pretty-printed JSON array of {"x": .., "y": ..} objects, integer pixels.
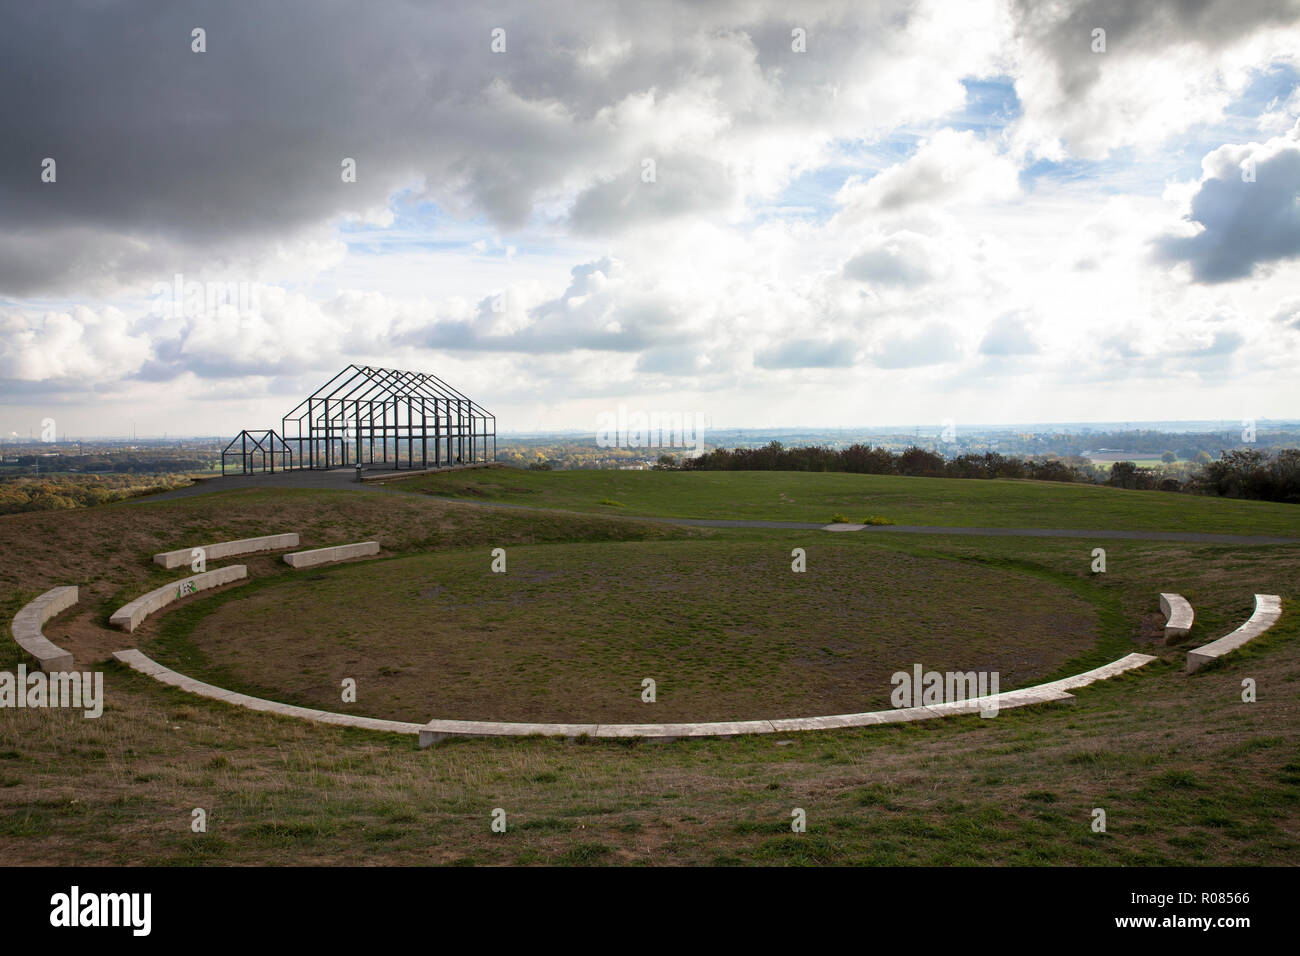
[{"x": 1251, "y": 473}]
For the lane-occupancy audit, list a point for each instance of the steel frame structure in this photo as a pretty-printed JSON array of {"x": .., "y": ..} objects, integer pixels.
[
  {"x": 257, "y": 448},
  {"x": 379, "y": 417}
]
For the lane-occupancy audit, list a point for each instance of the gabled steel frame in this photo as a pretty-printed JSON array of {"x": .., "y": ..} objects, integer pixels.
[
  {"x": 391, "y": 418},
  {"x": 257, "y": 448}
]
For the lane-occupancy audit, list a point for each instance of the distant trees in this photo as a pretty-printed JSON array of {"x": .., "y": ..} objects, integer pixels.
[
  {"x": 121, "y": 464},
  {"x": 567, "y": 455},
  {"x": 58, "y": 492},
  {"x": 1125, "y": 474},
  {"x": 864, "y": 459},
  {"x": 1251, "y": 473},
  {"x": 1237, "y": 474}
]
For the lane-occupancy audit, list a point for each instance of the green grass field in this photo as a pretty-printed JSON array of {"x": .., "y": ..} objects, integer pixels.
[
  {"x": 568, "y": 632},
  {"x": 802, "y": 496},
  {"x": 1187, "y": 772}
]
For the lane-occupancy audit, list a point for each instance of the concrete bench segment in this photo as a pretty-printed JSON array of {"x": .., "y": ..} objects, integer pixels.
[
  {"x": 27, "y": 625},
  {"x": 1105, "y": 672},
  {"x": 435, "y": 730},
  {"x": 129, "y": 616},
  {"x": 1054, "y": 692},
  {"x": 342, "y": 552},
  {"x": 1268, "y": 608},
  {"x": 1178, "y": 616},
  {"x": 139, "y": 662},
  {"x": 227, "y": 549}
]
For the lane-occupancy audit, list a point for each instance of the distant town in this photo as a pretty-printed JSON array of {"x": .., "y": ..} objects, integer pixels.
[{"x": 1167, "y": 445}]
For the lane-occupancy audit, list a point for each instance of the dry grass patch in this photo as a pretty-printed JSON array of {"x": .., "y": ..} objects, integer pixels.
[{"x": 568, "y": 633}]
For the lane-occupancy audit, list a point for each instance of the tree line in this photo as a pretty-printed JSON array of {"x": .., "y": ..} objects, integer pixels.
[
  {"x": 1241, "y": 473},
  {"x": 110, "y": 463}
]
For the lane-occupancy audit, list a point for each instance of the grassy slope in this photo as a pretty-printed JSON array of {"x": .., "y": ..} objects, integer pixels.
[
  {"x": 801, "y": 496},
  {"x": 1186, "y": 772},
  {"x": 107, "y": 551}
]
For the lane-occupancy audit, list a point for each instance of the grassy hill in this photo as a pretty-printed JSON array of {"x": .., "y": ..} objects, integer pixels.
[
  {"x": 804, "y": 496},
  {"x": 1187, "y": 772}
]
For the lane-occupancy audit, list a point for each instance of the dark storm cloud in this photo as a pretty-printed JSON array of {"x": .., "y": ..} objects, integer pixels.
[
  {"x": 157, "y": 143},
  {"x": 161, "y": 151},
  {"x": 1166, "y": 66},
  {"x": 1245, "y": 224},
  {"x": 1063, "y": 32},
  {"x": 169, "y": 160}
]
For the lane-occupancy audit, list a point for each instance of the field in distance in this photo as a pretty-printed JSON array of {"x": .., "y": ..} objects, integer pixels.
[{"x": 817, "y": 496}]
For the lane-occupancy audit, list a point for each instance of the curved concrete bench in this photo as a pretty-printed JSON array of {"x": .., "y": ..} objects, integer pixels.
[
  {"x": 435, "y": 730},
  {"x": 1178, "y": 616},
  {"x": 341, "y": 552},
  {"x": 138, "y": 661},
  {"x": 228, "y": 549},
  {"x": 27, "y": 624},
  {"x": 1268, "y": 608},
  {"x": 129, "y": 616}
]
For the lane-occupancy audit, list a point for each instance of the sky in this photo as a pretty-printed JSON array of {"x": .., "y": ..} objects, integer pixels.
[{"x": 767, "y": 214}]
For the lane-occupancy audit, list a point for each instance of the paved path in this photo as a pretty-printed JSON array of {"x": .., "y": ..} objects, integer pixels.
[
  {"x": 297, "y": 479},
  {"x": 1190, "y": 536},
  {"x": 343, "y": 479}
]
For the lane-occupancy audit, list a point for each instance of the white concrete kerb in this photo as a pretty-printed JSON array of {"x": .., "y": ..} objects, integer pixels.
[
  {"x": 341, "y": 552},
  {"x": 29, "y": 620},
  {"x": 227, "y": 549},
  {"x": 1268, "y": 608},
  {"x": 129, "y": 616},
  {"x": 1178, "y": 616}
]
